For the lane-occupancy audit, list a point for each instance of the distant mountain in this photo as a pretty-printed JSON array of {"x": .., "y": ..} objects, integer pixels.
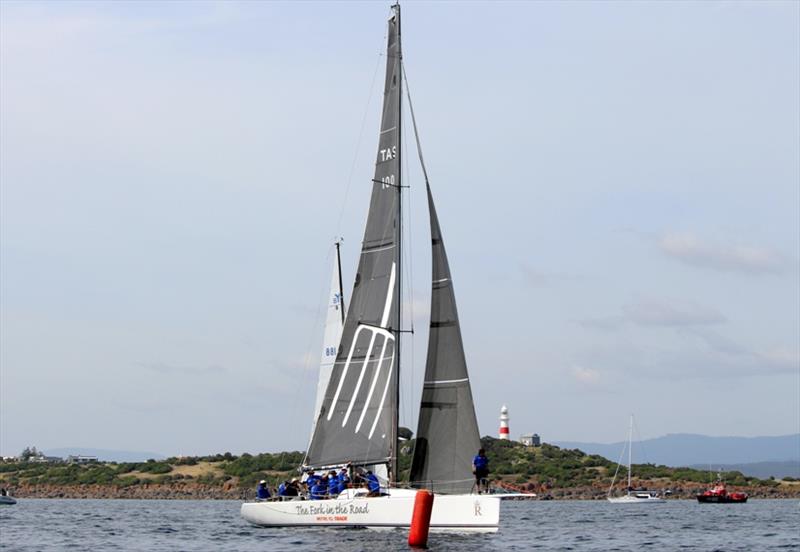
[
  {"x": 762, "y": 470},
  {"x": 106, "y": 455},
  {"x": 683, "y": 449}
]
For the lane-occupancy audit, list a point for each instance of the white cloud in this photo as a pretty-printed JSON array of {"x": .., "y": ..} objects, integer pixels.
[
  {"x": 657, "y": 313},
  {"x": 691, "y": 250},
  {"x": 586, "y": 376}
]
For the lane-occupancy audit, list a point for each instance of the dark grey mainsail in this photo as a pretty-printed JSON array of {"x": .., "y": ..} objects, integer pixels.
[
  {"x": 447, "y": 434},
  {"x": 357, "y": 421}
]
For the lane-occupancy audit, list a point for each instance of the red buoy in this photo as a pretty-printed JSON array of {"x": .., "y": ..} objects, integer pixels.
[{"x": 421, "y": 519}]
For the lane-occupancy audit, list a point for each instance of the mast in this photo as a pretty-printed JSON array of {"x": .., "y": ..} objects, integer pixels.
[
  {"x": 341, "y": 287},
  {"x": 396, "y": 420},
  {"x": 630, "y": 446}
]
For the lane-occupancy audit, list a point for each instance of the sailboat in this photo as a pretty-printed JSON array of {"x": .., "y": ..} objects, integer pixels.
[
  {"x": 632, "y": 496},
  {"x": 357, "y": 420}
]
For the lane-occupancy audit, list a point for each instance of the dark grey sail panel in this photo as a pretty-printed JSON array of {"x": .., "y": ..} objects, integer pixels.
[
  {"x": 447, "y": 433},
  {"x": 356, "y": 420}
]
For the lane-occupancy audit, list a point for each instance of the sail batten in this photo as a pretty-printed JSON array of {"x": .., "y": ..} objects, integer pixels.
[
  {"x": 358, "y": 414},
  {"x": 447, "y": 433}
]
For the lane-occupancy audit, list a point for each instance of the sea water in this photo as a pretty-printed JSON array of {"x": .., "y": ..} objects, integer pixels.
[{"x": 154, "y": 525}]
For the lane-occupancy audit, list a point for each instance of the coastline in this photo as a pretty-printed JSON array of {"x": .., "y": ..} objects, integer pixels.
[{"x": 229, "y": 491}]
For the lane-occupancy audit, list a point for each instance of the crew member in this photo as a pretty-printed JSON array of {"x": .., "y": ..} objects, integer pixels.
[
  {"x": 373, "y": 484},
  {"x": 292, "y": 488},
  {"x": 262, "y": 491},
  {"x": 344, "y": 480},
  {"x": 480, "y": 467},
  {"x": 333, "y": 484},
  {"x": 319, "y": 490}
]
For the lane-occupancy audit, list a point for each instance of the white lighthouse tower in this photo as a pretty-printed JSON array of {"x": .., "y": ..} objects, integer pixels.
[{"x": 504, "y": 423}]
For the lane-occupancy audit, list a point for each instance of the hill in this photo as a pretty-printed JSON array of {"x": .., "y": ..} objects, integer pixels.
[
  {"x": 762, "y": 470},
  {"x": 683, "y": 449},
  {"x": 547, "y": 470}
]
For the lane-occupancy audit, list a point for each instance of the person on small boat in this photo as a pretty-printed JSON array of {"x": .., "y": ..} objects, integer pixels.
[
  {"x": 262, "y": 491},
  {"x": 480, "y": 467}
]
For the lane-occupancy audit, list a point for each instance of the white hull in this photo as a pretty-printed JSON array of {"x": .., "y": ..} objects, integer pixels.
[
  {"x": 470, "y": 513},
  {"x": 636, "y": 499}
]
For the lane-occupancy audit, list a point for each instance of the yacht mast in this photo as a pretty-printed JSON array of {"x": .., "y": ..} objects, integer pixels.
[
  {"x": 399, "y": 330},
  {"x": 341, "y": 287}
]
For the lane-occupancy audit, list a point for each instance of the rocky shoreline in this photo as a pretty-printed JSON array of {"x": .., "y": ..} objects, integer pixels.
[{"x": 197, "y": 491}]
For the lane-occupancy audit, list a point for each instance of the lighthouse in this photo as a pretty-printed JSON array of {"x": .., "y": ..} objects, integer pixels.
[{"x": 504, "y": 423}]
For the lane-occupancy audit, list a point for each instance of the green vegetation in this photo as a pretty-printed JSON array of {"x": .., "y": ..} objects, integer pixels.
[{"x": 511, "y": 462}]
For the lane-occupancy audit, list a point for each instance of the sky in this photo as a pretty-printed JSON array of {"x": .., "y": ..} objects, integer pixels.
[{"x": 618, "y": 185}]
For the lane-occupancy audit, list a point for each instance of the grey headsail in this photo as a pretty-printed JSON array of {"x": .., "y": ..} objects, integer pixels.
[
  {"x": 447, "y": 434},
  {"x": 357, "y": 420}
]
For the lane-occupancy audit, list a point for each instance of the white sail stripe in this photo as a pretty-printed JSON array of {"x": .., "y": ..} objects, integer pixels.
[
  {"x": 440, "y": 281},
  {"x": 435, "y": 382},
  {"x": 378, "y": 366},
  {"x": 384, "y": 248},
  {"x": 383, "y": 398},
  {"x": 388, "y": 130},
  {"x": 360, "y": 378},
  {"x": 387, "y": 309}
]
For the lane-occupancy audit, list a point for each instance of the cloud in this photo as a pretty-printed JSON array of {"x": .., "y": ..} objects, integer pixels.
[
  {"x": 586, "y": 376},
  {"x": 656, "y": 313},
  {"x": 734, "y": 356},
  {"x": 689, "y": 249},
  {"x": 538, "y": 278},
  {"x": 782, "y": 358}
]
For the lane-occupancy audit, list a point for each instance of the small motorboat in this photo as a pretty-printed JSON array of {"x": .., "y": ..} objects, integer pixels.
[
  {"x": 720, "y": 495},
  {"x": 7, "y": 500}
]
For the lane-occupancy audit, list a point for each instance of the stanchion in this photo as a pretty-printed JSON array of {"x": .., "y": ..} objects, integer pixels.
[{"x": 421, "y": 519}]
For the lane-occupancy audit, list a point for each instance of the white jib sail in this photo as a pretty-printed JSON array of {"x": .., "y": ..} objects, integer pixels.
[{"x": 330, "y": 341}]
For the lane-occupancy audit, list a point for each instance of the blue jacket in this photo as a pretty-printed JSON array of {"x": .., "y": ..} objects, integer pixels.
[
  {"x": 318, "y": 491},
  {"x": 343, "y": 481},
  {"x": 480, "y": 462},
  {"x": 312, "y": 480},
  {"x": 373, "y": 483},
  {"x": 333, "y": 486},
  {"x": 282, "y": 489},
  {"x": 262, "y": 492}
]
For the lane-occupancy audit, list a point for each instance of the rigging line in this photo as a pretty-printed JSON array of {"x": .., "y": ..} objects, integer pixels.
[
  {"x": 414, "y": 122},
  {"x": 640, "y": 442},
  {"x": 614, "y": 479},
  {"x": 358, "y": 143}
]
